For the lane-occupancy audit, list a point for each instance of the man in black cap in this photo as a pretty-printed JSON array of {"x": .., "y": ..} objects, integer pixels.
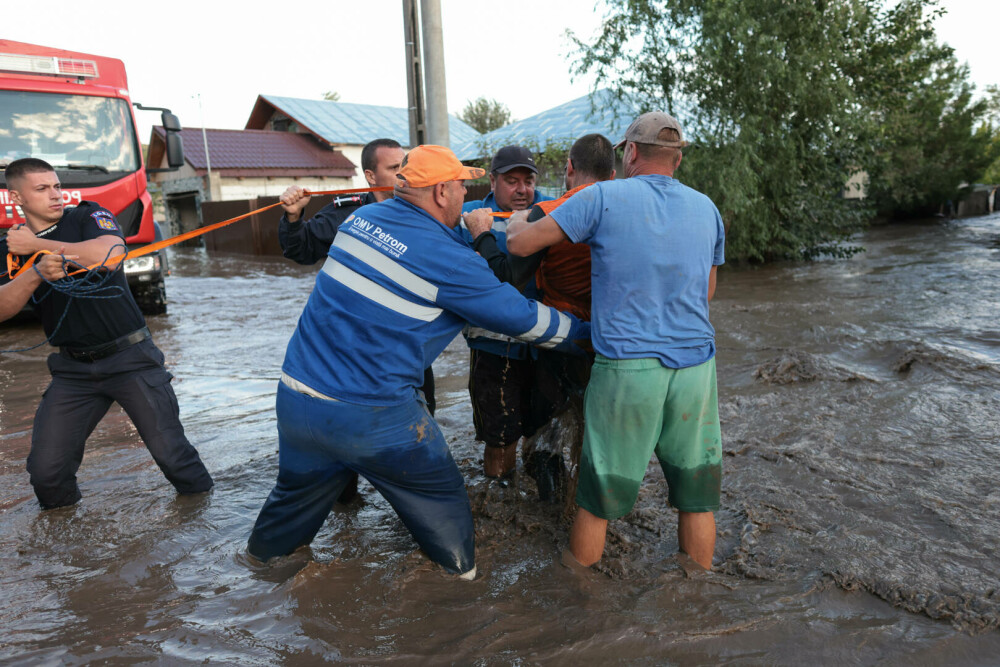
[{"x": 501, "y": 371}]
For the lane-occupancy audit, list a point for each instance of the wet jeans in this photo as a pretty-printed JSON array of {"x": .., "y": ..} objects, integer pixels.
[{"x": 399, "y": 449}]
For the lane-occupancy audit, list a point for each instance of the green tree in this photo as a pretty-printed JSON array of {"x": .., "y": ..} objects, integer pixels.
[
  {"x": 485, "y": 115},
  {"x": 929, "y": 135},
  {"x": 992, "y": 173},
  {"x": 777, "y": 96}
]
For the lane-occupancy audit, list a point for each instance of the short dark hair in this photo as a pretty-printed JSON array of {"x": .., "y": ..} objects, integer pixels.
[
  {"x": 368, "y": 162},
  {"x": 18, "y": 169},
  {"x": 594, "y": 156}
]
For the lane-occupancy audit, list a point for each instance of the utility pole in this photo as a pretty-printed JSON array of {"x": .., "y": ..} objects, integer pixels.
[
  {"x": 208, "y": 158},
  {"x": 434, "y": 80},
  {"x": 425, "y": 79},
  {"x": 414, "y": 73}
]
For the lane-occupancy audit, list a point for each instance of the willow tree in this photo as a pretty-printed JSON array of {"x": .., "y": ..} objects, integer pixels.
[{"x": 775, "y": 94}]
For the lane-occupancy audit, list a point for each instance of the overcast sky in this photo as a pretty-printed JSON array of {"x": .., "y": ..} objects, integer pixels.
[{"x": 514, "y": 51}]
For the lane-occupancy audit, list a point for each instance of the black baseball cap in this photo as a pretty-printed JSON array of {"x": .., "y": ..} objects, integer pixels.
[{"x": 512, "y": 157}]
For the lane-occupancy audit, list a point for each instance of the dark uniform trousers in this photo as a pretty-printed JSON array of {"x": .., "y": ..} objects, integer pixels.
[{"x": 79, "y": 396}]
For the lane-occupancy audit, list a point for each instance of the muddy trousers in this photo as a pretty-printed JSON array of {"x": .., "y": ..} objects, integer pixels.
[
  {"x": 79, "y": 396},
  {"x": 399, "y": 449}
]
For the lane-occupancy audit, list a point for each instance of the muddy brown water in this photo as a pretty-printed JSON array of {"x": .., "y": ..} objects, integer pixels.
[{"x": 861, "y": 512}]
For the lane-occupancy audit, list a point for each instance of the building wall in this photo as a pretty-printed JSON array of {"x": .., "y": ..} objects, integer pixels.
[
  {"x": 248, "y": 188},
  {"x": 353, "y": 153}
]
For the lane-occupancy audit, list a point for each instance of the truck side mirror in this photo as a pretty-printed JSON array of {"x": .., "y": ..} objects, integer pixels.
[
  {"x": 175, "y": 149},
  {"x": 170, "y": 122}
]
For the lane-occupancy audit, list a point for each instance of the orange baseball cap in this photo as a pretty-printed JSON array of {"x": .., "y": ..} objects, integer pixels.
[{"x": 430, "y": 165}]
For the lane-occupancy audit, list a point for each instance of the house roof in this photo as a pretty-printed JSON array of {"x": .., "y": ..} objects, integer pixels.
[
  {"x": 568, "y": 121},
  {"x": 255, "y": 153},
  {"x": 345, "y": 123}
]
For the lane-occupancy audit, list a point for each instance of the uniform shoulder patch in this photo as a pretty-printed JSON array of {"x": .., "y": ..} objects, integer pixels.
[{"x": 105, "y": 220}]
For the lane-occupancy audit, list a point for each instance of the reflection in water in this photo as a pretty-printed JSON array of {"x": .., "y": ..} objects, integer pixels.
[{"x": 860, "y": 404}]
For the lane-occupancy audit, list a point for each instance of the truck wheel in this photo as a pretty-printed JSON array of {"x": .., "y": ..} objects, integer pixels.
[{"x": 152, "y": 298}]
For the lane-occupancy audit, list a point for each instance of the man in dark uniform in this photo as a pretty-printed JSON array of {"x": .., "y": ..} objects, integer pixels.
[{"x": 105, "y": 351}]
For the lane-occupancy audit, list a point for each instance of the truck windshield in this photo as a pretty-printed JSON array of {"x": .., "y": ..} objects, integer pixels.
[{"x": 79, "y": 132}]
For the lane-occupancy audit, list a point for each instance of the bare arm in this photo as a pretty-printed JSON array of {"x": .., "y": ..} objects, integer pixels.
[
  {"x": 711, "y": 282},
  {"x": 16, "y": 293},
  {"x": 22, "y": 241},
  {"x": 524, "y": 238}
]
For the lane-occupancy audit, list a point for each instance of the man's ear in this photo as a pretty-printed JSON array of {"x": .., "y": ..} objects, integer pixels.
[
  {"x": 441, "y": 194},
  {"x": 493, "y": 181},
  {"x": 370, "y": 177},
  {"x": 15, "y": 196}
]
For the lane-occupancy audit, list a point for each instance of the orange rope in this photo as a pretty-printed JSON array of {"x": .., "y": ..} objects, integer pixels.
[{"x": 12, "y": 261}]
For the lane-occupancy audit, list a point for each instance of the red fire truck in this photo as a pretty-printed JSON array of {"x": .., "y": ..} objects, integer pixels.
[{"x": 73, "y": 111}]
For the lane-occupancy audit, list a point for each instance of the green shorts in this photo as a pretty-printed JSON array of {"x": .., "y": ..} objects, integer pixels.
[{"x": 635, "y": 408}]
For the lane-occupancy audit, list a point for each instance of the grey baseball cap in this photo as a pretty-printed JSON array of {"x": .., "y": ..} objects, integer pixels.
[{"x": 646, "y": 130}]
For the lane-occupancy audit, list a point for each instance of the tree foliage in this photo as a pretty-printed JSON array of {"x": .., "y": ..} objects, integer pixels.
[
  {"x": 785, "y": 100},
  {"x": 992, "y": 174},
  {"x": 485, "y": 115}
]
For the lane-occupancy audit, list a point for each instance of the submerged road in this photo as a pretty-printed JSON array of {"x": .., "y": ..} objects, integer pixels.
[{"x": 861, "y": 513}]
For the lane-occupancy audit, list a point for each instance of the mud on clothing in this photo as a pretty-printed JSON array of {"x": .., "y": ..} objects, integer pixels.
[
  {"x": 307, "y": 242},
  {"x": 501, "y": 370},
  {"x": 396, "y": 288},
  {"x": 399, "y": 449},
  {"x": 504, "y": 408},
  {"x": 635, "y": 408},
  {"x": 105, "y": 356}
]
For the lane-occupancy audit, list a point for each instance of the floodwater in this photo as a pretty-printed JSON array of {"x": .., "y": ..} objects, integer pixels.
[{"x": 861, "y": 511}]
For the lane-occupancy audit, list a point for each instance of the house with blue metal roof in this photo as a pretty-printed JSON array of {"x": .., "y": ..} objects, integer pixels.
[
  {"x": 344, "y": 126},
  {"x": 348, "y": 127},
  {"x": 604, "y": 114}
]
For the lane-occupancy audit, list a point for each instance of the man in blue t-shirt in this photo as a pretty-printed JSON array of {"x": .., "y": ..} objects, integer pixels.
[
  {"x": 655, "y": 245},
  {"x": 397, "y": 285}
]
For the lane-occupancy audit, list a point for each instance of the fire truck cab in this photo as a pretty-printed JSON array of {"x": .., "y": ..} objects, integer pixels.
[{"x": 73, "y": 111}]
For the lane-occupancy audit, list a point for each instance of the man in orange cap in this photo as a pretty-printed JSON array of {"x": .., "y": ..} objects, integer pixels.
[{"x": 397, "y": 286}]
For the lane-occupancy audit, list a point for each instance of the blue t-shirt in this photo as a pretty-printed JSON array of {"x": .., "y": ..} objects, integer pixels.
[{"x": 653, "y": 243}]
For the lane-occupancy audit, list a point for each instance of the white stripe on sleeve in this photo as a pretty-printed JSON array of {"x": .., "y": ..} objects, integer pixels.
[
  {"x": 386, "y": 266},
  {"x": 380, "y": 295}
]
